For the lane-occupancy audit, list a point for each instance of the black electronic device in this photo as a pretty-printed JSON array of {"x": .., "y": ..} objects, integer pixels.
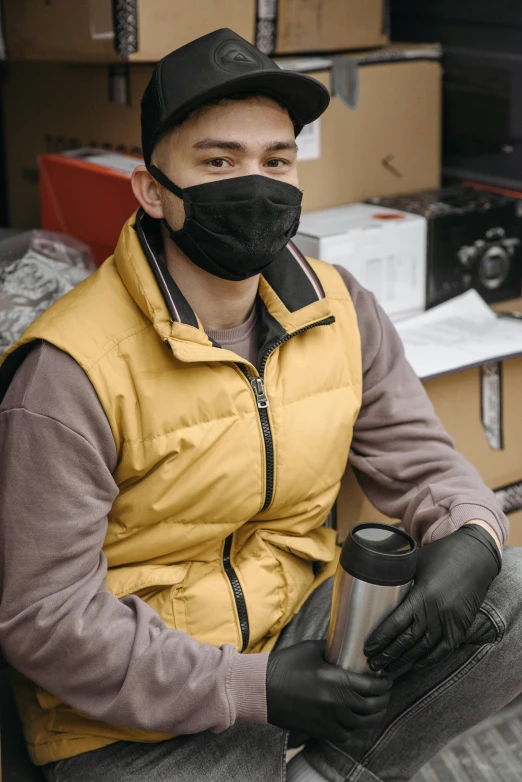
[
  {"x": 482, "y": 95},
  {"x": 502, "y": 12},
  {"x": 496, "y": 171},
  {"x": 482, "y": 24},
  {"x": 474, "y": 241}
]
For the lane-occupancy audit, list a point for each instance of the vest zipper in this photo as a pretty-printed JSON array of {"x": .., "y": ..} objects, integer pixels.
[
  {"x": 238, "y": 593},
  {"x": 258, "y": 385}
]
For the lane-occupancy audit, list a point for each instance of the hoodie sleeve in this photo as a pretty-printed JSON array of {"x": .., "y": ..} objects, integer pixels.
[{"x": 404, "y": 460}]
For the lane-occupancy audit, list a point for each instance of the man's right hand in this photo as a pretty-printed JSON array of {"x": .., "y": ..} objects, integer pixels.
[{"x": 308, "y": 695}]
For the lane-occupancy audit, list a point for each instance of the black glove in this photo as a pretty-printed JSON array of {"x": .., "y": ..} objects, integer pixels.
[
  {"x": 306, "y": 694},
  {"x": 452, "y": 579}
]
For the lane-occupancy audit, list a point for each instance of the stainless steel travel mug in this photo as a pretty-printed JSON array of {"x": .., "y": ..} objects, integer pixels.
[{"x": 374, "y": 575}]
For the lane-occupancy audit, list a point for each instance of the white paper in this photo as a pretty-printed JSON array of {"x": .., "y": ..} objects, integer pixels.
[
  {"x": 309, "y": 142},
  {"x": 123, "y": 163},
  {"x": 305, "y": 64},
  {"x": 462, "y": 332}
]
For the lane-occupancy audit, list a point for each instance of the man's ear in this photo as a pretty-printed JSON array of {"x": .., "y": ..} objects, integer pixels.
[{"x": 146, "y": 190}]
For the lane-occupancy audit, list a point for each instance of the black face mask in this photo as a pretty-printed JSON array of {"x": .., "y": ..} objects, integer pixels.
[{"x": 235, "y": 228}]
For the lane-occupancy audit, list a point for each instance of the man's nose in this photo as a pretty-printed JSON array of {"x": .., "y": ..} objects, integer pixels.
[{"x": 253, "y": 166}]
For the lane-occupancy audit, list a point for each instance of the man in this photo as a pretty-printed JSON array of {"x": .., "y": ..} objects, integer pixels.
[{"x": 173, "y": 435}]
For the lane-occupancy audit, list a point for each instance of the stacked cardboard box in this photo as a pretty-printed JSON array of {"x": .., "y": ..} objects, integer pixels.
[
  {"x": 146, "y": 30},
  {"x": 389, "y": 143},
  {"x": 480, "y": 24}
]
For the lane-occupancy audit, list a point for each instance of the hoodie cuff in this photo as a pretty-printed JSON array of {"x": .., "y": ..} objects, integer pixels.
[
  {"x": 462, "y": 513},
  {"x": 247, "y": 687}
]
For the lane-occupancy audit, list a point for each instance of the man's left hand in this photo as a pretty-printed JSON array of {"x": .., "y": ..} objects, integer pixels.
[{"x": 452, "y": 579}]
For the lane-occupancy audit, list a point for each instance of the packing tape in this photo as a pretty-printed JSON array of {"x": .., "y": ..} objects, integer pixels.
[
  {"x": 510, "y": 497},
  {"x": 345, "y": 80},
  {"x": 266, "y": 26},
  {"x": 345, "y": 68},
  {"x": 125, "y": 16},
  {"x": 491, "y": 409}
]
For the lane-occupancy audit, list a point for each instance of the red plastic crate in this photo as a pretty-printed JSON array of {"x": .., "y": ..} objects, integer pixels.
[{"x": 86, "y": 200}]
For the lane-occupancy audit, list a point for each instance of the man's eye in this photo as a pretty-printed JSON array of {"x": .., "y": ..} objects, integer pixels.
[
  {"x": 276, "y": 162},
  {"x": 218, "y": 162}
]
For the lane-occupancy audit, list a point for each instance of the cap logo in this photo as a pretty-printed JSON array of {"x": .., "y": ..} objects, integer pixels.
[{"x": 235, "y": 57}]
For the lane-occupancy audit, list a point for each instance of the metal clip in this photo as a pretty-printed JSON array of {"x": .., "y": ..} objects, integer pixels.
[{"x": 259, "y": 389}]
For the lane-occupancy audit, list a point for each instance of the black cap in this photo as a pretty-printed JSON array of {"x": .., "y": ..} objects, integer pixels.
[
  {"x": 217, "y": 65},
  {"x": 379, "y": 554}
]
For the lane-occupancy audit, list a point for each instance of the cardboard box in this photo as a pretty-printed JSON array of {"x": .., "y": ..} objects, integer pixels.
[
  {"x": 457, "y": 401},
  {"x": 515, "y": 531},
  {"x": 389, "y": 144},
  {"x": 52, "y": 107},
  {"x": 146, "y": 30},
  {"x": 385, "y": 249}
]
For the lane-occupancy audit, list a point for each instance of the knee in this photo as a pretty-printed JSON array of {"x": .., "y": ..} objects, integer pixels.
[
  {"x": 512, "y": 563},
  {"x": 505, "y": 594}
]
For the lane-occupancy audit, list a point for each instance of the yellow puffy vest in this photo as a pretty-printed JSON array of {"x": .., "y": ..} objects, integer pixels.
[{"x": 218, "y": 524}]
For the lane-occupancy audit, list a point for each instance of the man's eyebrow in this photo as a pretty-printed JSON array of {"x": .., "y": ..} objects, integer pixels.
[
  {"x": 237, "y": 146},
  {"x": 281, "y": 146},
  {"x": 218, "y": 143}
]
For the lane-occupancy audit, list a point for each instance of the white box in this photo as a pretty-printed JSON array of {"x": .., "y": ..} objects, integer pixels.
[{"x": 384, "y": 249}]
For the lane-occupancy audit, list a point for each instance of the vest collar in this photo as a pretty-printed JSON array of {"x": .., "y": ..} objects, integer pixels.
[{"x": 291, "y": 295}]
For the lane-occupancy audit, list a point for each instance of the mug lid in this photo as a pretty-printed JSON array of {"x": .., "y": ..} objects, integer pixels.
[{"x": 380, "y": 554}]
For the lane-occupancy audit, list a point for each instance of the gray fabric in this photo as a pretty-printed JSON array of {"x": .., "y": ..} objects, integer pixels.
[
  {"x": 123, "y": 666},
  {"x": 299, "y": 770},
  {"x": 242, "y": 339},
  {"x": 427, "y": 710},
  {"x": 488, "y": 752}
]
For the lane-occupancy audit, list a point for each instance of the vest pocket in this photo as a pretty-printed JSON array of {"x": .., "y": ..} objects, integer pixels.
[
  {"x": 46, "y": 700},
  {"x": 160, "y": 586}
]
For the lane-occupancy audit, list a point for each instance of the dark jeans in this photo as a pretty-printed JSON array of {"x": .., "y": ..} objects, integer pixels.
[{"x": 427, "y": 709}]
